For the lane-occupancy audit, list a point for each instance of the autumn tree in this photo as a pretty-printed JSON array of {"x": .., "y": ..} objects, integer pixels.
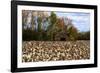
[
  {"x": 71, "y": 30},
  {"x": 72, "y": 33}
]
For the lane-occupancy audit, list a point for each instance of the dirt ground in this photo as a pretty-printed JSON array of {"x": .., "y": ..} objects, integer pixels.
[{"x": 35, "y": 51}]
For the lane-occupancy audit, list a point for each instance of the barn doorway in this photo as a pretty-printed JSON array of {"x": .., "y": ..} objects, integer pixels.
[{"x": 62, "y": 39}]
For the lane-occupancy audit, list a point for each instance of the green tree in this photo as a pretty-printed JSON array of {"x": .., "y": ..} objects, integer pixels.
[
  {"x": 32, "y": 22},
  {"x": 51, "y": 27},
  {"x": 39, "y": 20},
  {"x": 84, "y": 35}
]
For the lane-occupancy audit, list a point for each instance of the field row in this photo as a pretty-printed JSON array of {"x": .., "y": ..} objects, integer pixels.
[{"x": 34, "y": 51}]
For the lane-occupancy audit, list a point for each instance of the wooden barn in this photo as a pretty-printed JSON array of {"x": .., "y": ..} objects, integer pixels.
[{"x": 61, "y": 36}]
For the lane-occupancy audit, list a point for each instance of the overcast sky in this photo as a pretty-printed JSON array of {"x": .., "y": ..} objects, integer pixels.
[{"x": 80, "y": 20}]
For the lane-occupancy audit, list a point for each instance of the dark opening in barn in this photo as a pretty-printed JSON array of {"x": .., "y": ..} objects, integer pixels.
[{"x": 62, "y": 39}]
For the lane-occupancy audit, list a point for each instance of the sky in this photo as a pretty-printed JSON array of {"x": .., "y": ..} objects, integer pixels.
[{"x": 80, "y": 20}]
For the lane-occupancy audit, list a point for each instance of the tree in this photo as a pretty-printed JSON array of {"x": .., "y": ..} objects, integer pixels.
[
  {"x": 72, "y": 33},
  {"x": 60, "y": 24},
  {"x": 32, "y": 23},
  {"x": 51, "y": 27},
  {"x": 24, "y": 17},
  {"x": 84, "y": 35},
  {"x": 87, "y": 35},
  {"x": 39, "y": 20}
]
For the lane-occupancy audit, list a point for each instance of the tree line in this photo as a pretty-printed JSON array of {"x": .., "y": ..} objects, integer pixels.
[{"x": 39, "y": 26}]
